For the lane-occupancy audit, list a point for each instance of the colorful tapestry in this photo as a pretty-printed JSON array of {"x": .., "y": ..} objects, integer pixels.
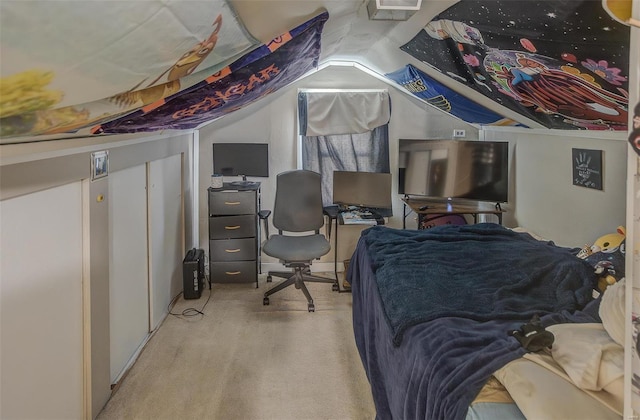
[
  {"x": 445, "y": 99},
  {"x": 260, "y": 72},
  {"x": 634, "y": 133},
  {"x": 562, "y": 63},
  {"x": 67, "y": 64}
]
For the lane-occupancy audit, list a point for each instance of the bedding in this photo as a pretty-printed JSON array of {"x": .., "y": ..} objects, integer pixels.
[
  {"x": 542, "y": 393},
  {"x": 433, "y": 310}
]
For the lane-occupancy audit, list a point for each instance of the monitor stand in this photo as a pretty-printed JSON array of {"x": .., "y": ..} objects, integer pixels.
[{"x": 244, "y": 183}]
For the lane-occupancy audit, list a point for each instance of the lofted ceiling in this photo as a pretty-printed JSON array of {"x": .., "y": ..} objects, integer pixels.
[
  {"x": 78, "y": 68},
  {"x": 348, "y": 35}
]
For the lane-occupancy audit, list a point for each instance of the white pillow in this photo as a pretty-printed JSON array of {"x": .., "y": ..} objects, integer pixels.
[
  {"x": 612, "y": 311},
  {"x": 587, "y": 354},
  {"x": 542, "y": 394}
]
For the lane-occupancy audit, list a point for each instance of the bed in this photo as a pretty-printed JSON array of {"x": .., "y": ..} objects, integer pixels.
[{"x": 434, "y": 317}]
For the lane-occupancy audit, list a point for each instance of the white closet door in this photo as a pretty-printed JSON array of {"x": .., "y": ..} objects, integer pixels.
[
  {"x": 166, "y": 234},
  {"x": 128, "y": 272},
  {"x": 41, "y": 353}
]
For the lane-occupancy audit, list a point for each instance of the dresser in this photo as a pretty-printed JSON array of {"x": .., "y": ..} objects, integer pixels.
[{"x": 234, "y": 235}]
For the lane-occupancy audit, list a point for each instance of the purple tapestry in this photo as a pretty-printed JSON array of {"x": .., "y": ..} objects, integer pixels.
[{"x": 264, "y": 70}]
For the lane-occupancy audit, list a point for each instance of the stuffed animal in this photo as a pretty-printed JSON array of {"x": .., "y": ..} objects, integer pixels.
[{"x": 607, "y": 255}]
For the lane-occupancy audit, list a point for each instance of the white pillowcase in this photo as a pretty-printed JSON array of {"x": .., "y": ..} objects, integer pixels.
[
  {"x": 587, "y": 354},
  {"x": 612, "y": 311},
  {"x": 540, "y": 393}
]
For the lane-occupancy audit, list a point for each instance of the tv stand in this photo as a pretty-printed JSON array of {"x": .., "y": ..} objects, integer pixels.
[{"x": 425, "y": 207}]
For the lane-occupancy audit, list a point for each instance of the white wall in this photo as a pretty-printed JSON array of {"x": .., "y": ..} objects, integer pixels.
[
  {"x": 59, "y": 247},
  {"x": 166, "y": 234},
  {"x": 41, "y": 330},
  {"x": 273, "y": 120},
  {"x": 543, "y": 198},
  {"x": 128, "y": 279}
]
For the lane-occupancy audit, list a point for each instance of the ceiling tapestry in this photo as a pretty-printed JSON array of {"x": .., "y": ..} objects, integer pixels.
[
  {"x": 445, "y": 99},
  {"x": 634, "y": 132},
  {"x": 563, "y": 64},
  {"x": 260, "y": 72},
  {"x": 106, "y": 63}
]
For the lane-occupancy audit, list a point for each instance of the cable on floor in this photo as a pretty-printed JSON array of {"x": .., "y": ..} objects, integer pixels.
[{"x": 189, "y": 312}]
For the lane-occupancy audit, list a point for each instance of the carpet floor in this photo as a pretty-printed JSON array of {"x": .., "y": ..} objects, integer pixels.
[{"x": 243, "y": 360}]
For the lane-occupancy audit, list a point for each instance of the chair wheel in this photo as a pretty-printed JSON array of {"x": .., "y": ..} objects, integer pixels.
[
  {"x": 265, "y": 301},
  {"x": 312, "y": 308},
  {"x": 335, "y": 287},
  {"x": 269, "y": 279}
]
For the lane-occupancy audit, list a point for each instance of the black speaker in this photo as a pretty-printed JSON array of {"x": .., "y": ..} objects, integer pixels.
[{"x": 193, "y": 273}]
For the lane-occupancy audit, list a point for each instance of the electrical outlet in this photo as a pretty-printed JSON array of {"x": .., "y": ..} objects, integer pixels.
[{"x": 458, "y": 133}]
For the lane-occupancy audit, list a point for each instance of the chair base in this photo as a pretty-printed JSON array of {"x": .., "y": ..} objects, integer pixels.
[{"x": 297, "y": 277}]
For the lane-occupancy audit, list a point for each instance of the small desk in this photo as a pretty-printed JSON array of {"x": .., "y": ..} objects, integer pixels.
[
  {"x": 424, "y": 207},
  {"x": 333, "y": 213}
]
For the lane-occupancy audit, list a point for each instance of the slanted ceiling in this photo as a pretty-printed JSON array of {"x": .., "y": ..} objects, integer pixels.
[{"x": 87, "y": 68}]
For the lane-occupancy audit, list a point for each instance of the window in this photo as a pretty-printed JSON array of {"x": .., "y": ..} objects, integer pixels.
[
  {"x": 344, "y": 131},
  {"x": 365, "y": 152}
]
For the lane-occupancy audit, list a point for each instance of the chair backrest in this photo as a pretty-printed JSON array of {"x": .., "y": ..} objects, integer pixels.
[{"x": 298, "y": 204}]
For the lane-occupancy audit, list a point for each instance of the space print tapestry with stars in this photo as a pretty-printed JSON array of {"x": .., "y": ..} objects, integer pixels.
[{"x": 561, "y": 63}]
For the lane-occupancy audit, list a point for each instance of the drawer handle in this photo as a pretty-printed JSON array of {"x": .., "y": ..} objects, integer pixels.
[
  {"x": 232, "y": 227},
  {"x": 232, "y": 250},
  {"x": 232, "y": 273},
  {"x": 231, "y": 203}
]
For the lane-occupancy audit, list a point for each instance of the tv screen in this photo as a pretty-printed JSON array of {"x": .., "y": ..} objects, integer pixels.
[
  {"x": 362, "y": 189},
  {"x": 474, "y": 170},
  {"x": 246, "y": 159}
]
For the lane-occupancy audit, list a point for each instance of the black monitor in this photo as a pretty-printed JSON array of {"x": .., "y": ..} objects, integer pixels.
[
  {"x": 363, "y": 189},
  {"x": 241, "y": 159},
  {"x": 446, "y": 169}
]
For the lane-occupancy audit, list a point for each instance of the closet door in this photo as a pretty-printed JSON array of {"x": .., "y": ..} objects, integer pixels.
[
  {"x": 166, "y": 235},
  {"x": 41, "y": 328},
  {"x": 128, "y": 272}
]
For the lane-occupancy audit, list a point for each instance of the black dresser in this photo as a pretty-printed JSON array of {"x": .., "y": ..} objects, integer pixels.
[{"x": 234, "y": 235}]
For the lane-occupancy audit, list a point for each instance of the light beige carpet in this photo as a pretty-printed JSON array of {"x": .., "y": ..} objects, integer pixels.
[{"x": 243, "y": 360}]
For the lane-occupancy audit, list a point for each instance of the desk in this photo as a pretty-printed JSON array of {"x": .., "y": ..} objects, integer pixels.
[
  {"x": 424, "y": 207},
  {"x": 334, "y": 214}
]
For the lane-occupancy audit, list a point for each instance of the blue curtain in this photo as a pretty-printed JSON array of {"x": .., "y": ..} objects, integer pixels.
[
  {"x": 365, "y": 152},
  {"x": 360, "y": 141}
]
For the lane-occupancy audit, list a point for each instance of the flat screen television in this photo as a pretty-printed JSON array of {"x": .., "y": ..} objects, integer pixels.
[
  {"x": 362, "y": 189},
  {"x": 446, "y": 169},
  {"x": 241, "y": 159}
]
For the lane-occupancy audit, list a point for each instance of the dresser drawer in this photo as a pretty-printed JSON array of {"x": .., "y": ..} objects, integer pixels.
[
  {"x": 233, "y": 272},
  {"x": 232, "y": 202},
  {"x": 232, "y": 249},
  {"x": 229, "y": 227}
]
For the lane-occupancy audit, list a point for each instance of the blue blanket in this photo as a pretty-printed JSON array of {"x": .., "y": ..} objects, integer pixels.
[
  {"x": 428, "y": 346},
  {"x": 481, "y": 272}
]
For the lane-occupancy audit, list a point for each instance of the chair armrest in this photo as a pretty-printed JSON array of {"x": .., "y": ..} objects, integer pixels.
[{"x": 264, "y": 216}]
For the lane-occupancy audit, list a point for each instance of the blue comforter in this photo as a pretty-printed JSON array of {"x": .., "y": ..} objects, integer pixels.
[{"x": 433, "y": 309}]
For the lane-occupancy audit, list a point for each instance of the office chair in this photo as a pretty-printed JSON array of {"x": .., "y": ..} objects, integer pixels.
[{"x": 297, "y": 210}]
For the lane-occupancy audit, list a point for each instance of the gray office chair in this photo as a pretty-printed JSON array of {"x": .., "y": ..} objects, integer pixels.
[{"x": 297, "y": 210}]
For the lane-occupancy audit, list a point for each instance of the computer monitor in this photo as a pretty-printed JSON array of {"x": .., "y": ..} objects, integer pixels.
[
  {"x": 362, "y": 189},
  {"x": 241, "y": 159}
]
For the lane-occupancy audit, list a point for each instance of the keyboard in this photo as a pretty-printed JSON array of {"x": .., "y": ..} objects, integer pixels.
[{"x": 356, "y": 218}]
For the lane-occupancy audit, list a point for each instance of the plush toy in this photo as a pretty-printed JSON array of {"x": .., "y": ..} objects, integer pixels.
[{"x": 607, "y": 255}]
